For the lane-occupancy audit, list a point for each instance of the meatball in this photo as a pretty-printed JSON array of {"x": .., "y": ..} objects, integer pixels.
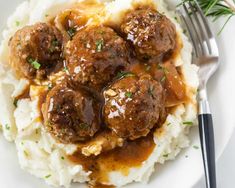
[
  {"x": 35, "y": 50},
  {"x": 71, "y": 115},
  {"x": 95, "y": 55},
  {"x": 151, "y": 33},
  {"x": 133, "y": 106}
]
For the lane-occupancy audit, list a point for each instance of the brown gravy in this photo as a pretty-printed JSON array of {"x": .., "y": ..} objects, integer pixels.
[{"x": 132, "y": 154}]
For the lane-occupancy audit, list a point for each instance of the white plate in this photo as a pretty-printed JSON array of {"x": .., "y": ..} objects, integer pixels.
[{"x": 181, "y": 173}]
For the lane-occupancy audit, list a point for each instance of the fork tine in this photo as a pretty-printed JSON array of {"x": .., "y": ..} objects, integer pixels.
[
  {"x": 190, "y": 34},
  {"x": 209, "y": 32},
  {"x": 204, "y": 37},
  {"x": 196, "y": 38}
]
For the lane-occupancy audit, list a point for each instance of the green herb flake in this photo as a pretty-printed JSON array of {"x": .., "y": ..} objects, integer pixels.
[
  {"x": 47, "y": 176},
  {"x": 123, "y": 74},
  {"x": 188, "y": 123},
  {"x": 71, "y": 32},
  {"x": 195, "y": 147},
  {"x": 99, "y": 45},
  {"x": 65, "y": 69},
  {"x": 49, "y": 86},
  {"x": 62, "y": 158},
  {"x": 164, "y": 69},
  {"x": 163, "y": 79},
  {"x": 7, "y": 127},
  {"x": 150, "y": 91},
  {"x": 166, "y": 155},
  {"x": 147, "y": 67},
  {"x": 128, "y": 94},
  {"x": 15, "y": 102},
  {"x": 168, "y": 124},
  {"x": 83, "y": 126},
  {"x": 34, "y": 63},
  {"x": 46, "y": 15},
  {"x": 17, "y": 23},
  {"x": 26, "y": 153}
]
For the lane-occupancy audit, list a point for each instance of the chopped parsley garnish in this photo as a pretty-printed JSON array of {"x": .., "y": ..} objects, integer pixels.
[
  {"x": 83, "y": 125},
  {"x": 46, "y": 15},
  {"x": 49, "y": 86},
  {"x": 15, "y": 102},
  {"x": 71, "y": 32},
  {"x": 189, "y": 123},
  {"x": 168, "y": 124},
  {"x": 54, "y": 43},
  {"x": 166, "y": 155},
  {"x": 34, "y": 63},
  {"x": 164, "y": 69},
  {"x": 146, "y": 57},
  {"x": 123, "y": 74},
  {"x": 163, "y": 79},
  {"x": 100, "y": 32},
  {"x": 65, "y": 69},
  {"x": 147, "y": 67},
  {"x": 26, "y": 153},
  {"x": 47, "y": 176},
  {"x": 62, "y": 158},
  {"x": 7, "y": 127},
  {"x": 195, "y": 147},
  {"x": 99, "y": 45},
  {"x": 150, "y": 90},
  {"x": 128, "y": 94},
  {"x": 17, "y": 23}
]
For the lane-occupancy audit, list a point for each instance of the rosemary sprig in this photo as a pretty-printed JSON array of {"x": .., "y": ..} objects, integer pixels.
[{"x": 217, "y": 9}]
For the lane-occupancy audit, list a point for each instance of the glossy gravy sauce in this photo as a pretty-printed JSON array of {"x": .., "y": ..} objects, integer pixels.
[{"x": 132, "y": 154}]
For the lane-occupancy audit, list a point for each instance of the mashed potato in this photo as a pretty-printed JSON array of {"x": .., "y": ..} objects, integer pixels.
[{"x": 38, "y": 152}]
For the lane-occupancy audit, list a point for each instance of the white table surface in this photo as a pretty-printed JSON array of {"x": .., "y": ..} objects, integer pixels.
[{"x": 225, "y": 164}]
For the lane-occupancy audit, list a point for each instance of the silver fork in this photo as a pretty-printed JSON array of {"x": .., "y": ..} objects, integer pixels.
[{"x": 207, "y": 58}]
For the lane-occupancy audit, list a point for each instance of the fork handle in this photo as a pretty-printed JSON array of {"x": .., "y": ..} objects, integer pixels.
[{"x": 207, "y": 143}]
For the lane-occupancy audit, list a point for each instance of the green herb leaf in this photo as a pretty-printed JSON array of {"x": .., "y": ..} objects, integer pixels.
[
  {"x": 34, "y": 63},
  {"x": 84, "y": 126},
  {"x": 195, "y": 147},
  {"x": 17, "y": 23},
  {"x": 7, "y": 127},
  {"x": 49, "y": 86},
  {"x": 163, "y": 79},
  {"x": 99, "y": 45},
  {"x": 128, "y": 94},
  {"x": 123, "y": 74},
  {"x": 71, "y": 32},
  {"x": 15, "y": 102},
  {"x": 189, "y": 123},
  {"x": 62, "y": 158},
  {"x": 26, "y": 153},
  {"x": 47, "y": 176},
  {"x": 166, "y": 155},
  {"x": 216, "y": 9},
  {"x": 150, "y": 91},
  {"x": 147, "y": 67}
]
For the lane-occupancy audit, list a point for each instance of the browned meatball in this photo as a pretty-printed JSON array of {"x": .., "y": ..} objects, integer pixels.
[
  {"x": 151, "y": 33},
  {"x": 95, "y": 55},
  {"x": 35, "y": 50},
  {"x": 133, "y": 106},
  {"x": 71, "y": 115}
]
